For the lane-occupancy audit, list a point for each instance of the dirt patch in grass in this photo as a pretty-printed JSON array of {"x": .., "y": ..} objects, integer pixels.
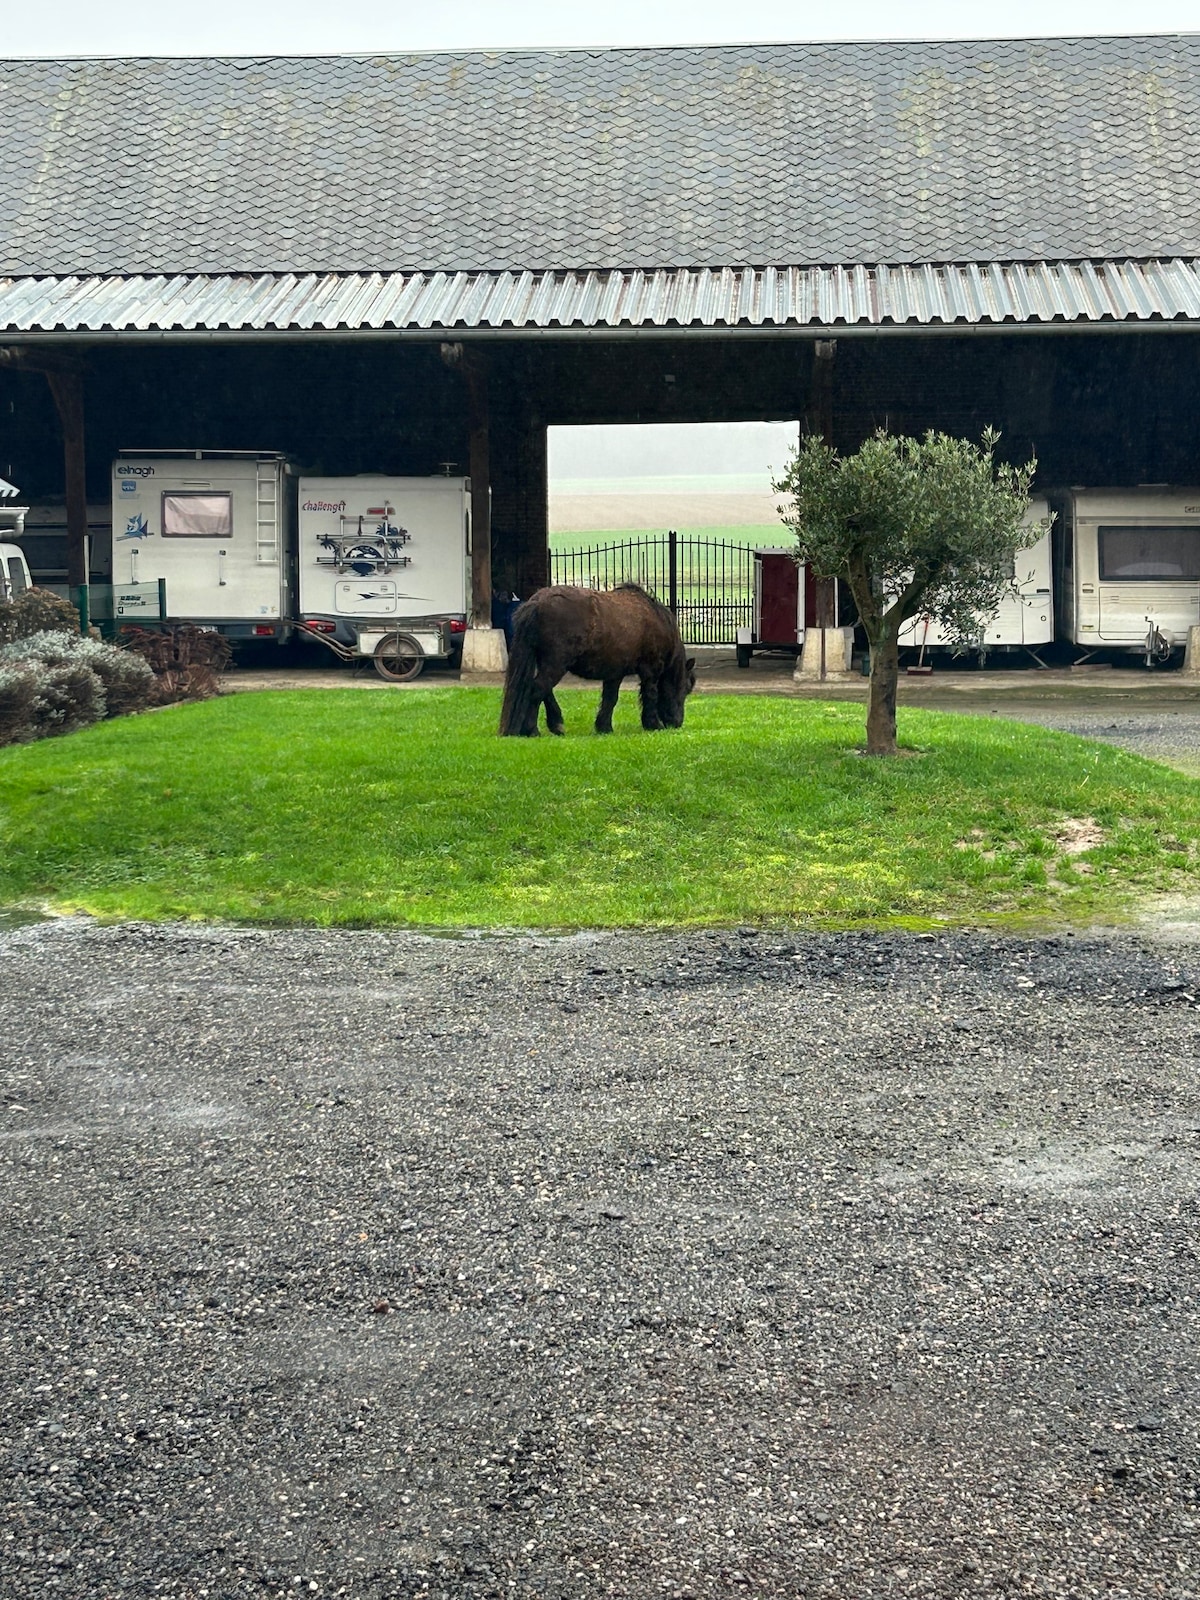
[{"x": 1074, "y": 835}]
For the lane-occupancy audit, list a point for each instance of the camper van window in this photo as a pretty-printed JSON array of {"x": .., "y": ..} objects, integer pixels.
[
  {"x": 197, "y": 514},
  {"x": 1149, "y": 554},
  {"x": 16, "y": 575}
]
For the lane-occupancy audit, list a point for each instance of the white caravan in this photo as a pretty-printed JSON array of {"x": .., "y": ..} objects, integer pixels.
[
  {"x": 384, "y": 568},
  {"x": 210, "y": 526},
  {"x": 14, "y": 569},
  {"x": 1128, "y": 569},
  {"x": 1025, "y": 618}
]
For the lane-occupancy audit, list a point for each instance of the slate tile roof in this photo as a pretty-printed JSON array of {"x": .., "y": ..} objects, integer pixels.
[{"x": 752, "y": 155}]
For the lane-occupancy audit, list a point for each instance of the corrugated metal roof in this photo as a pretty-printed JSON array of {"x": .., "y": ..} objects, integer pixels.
[{"x": 974, "y": 294}]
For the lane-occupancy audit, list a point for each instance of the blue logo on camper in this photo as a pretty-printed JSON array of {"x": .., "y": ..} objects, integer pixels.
[
  {"x": 128, "y": 486},
  {"x": 135, "y": 528}
]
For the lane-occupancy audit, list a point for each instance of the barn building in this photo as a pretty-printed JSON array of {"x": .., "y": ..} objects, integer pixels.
[{"x": 391, "y": 263}]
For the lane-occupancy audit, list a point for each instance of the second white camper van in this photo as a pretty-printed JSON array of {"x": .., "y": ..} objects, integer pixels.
[
  {"x": 1025, "y": 617},
  {"x": 210, "y": 529},
  {"x": 384, "y": 568}
]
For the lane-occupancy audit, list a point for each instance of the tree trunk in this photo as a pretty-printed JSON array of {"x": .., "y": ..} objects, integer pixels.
[{"x": 881, "y": 711}]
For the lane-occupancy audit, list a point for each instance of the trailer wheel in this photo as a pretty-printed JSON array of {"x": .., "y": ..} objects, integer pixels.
[{"x": 398, "y": 657}]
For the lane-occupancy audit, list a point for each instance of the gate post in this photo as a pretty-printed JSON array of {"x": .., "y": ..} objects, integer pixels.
[{"x": 673, "y": 573}]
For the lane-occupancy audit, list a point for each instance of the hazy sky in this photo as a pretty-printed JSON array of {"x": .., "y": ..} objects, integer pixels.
[
  {"x": 671, "y": 449},
  {"x": 281, "y": 27}
]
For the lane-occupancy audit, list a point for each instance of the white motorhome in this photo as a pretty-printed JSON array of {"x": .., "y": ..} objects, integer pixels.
[
  {"x": 384, "y": 568},
  {"x": 1128, "y": 569},
  {"x": 1025, "y": 617},
  {"x": 15, "y": 578},
  {"x": 212, "y": 528},
  {"x": 14, "y": 572}
]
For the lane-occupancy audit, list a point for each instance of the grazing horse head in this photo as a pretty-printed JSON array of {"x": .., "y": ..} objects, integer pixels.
[{"x": 677, "y": 682}]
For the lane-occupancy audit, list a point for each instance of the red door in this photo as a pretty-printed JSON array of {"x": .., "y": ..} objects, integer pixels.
[{"x": 780, "y": 599}]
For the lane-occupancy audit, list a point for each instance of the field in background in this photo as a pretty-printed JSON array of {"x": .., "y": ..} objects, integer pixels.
[{"x": 753, "y": 536}]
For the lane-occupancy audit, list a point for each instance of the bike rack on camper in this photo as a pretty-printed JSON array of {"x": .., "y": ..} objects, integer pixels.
[{"x": 384, "y": 569}]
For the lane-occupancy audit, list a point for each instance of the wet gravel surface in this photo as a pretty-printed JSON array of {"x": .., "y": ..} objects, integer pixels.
[
  {"x": 380, "y": 1265},
  {"x": 1163, "y": 732}
]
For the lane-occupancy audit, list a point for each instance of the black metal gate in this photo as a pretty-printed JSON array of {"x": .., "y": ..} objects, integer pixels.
[{"x": 708, "y": 584}]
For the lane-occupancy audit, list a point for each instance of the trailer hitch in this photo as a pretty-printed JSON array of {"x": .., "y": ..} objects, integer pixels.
[{"x": 344, "y": 652}]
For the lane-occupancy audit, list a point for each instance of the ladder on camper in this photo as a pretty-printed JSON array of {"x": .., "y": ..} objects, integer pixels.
[{"x": 266, "y": 528}]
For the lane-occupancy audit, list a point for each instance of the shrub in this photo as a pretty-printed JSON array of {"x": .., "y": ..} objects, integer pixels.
[
  {"x": 187, "y": 660},
  {"x": 36, "y": 611},
  {"x": 66, "y": 697},
  {"x": 127, "y": 678},
  {"x": 174, "y": 648},
  {"x": 196, "y": 682},
  {"x": 18, "y": 692}
]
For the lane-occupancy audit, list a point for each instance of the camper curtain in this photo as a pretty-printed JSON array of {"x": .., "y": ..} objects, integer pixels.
[
  {"x": 1149, "y": 553},
  {"x": 197, "y": 516}
]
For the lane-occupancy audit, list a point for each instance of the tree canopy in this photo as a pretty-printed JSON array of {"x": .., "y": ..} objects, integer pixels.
[{"x": 916, "y": 527}]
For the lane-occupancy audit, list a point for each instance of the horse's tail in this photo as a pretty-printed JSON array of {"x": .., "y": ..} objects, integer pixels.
[{"x": 518, "y": 714}]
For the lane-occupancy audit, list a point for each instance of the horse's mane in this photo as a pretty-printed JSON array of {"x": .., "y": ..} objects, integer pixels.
[{"x": 657, "y": 606}]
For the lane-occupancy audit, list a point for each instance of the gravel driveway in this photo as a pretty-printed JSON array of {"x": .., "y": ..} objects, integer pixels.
[{"x": 382, "y": 1265}]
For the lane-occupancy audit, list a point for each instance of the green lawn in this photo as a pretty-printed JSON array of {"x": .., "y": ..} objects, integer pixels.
[{"x": 351, "y": 807}]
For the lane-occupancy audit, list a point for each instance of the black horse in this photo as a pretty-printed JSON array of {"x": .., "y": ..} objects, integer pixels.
[{"x": 596, "y": 634}]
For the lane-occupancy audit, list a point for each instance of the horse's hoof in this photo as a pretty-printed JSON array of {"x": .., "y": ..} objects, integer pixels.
[
  {"x": 603, "y": 730},
  {"x": 557, "y": 732}
]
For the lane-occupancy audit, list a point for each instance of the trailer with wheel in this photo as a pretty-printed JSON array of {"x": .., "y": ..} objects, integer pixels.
[
  {"x": 384, "y": 569},
  {"x": 202, "y": 537},
  {"x": 784, "y": 605}
]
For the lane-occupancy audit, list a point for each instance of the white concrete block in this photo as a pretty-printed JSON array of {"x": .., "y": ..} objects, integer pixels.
[{"x": 484, "y": 651}]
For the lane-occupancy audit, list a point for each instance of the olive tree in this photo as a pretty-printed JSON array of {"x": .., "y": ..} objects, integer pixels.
[{"x": 916, "y": 527}]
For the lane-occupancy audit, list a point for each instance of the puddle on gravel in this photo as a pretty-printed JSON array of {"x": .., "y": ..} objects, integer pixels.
[
  {"x": 19, "y": 917},
  {"x": 1174, "y": 918}
]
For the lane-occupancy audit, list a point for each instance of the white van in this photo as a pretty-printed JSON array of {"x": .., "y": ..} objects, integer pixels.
[{"x": 14, "y": 572}]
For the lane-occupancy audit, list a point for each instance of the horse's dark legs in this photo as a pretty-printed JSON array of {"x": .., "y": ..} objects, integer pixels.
[
  {"x": 651, "y": 720},
  {"x": 554, "y": 716},
  {"x": 543, "y": 693},
  {"x": 608, "y": 704}
]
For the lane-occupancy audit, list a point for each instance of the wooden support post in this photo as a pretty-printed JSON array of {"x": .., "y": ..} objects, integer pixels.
[
  {"x": 483, "y": 646},
  {"x": 473, "y": 368},
  {"x": 67, "y": 389},
  {"x": 825, "y": 589},
  {"x": 479, "y": 455}
]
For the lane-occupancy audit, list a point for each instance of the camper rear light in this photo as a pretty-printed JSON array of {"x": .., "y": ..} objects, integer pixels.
[
  {"x": 456, "y": 626},
  {"x": 321, "y": 626},
  {"x": 266, "y": 629}
]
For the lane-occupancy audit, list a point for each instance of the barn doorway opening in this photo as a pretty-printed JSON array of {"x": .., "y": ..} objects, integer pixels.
[{"x": 680, "y": 508}]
